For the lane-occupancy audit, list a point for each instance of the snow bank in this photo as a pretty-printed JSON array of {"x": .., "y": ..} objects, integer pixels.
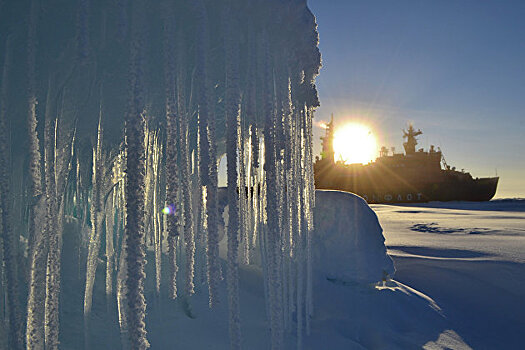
[{"x": 348, "y": 243}]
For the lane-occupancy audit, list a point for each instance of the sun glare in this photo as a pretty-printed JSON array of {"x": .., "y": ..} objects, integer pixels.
[{"x": 354, "y": 143}]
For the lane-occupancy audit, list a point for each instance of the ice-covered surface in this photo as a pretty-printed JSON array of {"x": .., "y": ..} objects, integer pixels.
[
  {"x": 470, "y": 258},
  {"x": 348, "y": 243},
  {"x": 349, "y": 312},
  {"x": 452, "y": 289}
]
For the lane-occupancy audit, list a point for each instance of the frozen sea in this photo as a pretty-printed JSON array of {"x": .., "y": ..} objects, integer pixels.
[{"x": 469, "y": 257}]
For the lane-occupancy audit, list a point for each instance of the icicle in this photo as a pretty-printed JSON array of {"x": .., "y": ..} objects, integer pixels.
[
  {"x": 189, "y": 234},
  {"x": 4, "y": 146},
  {"x": 149, "y": 180},
  {"x": 200, "y": 210},
  {"x": 156, "y": 211},
  {"x": 207, "y": 151},
  {"x": 212, "y": 219},
  {"x": 9, "y": 246},
  {"x": 250, "y": 188},
  {"x": 293, "y": 208},
  {"x": 255, "y": 146},
  {"x": 172, "y": 146},
  {"x": 201, "y": 90},
  {"x": 262, "y": 237},
  {"x": 151, "y": 202},
  {"x": 232, "y": 100},
  {"x": 244, "y": 191},
  {"x": 298, "y": 239},
  {"x": 135, "y": 240},
  {"x": 120, "y": 258},
  {"x": 97, "y": 224},
  {"x": 35, "y": 182},
  {"x": 306, "y": 102},
  {"x": 178, "y": 141},
  {"x": 110, "y": 250},
  {"x": 272, "y": 203},
  {"x": 53, "y": 258},
  {"x": 287, "y": 208},
  {"x": 122, "y": 305},
  {"x": 309, "y": 218},
  {"x": 255, "y": 183}
]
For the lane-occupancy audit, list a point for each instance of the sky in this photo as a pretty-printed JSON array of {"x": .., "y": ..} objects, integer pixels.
[{"x": 453, "y": 68}]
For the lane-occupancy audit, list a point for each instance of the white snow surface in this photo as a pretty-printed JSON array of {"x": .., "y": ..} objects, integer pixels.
[
  {"x": 348, "y": 242},
  {"x": 470, "y": 258},
  {"x": 458, "y": 283}
]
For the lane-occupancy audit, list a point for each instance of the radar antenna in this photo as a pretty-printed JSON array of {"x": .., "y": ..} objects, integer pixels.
[{"x": 410, "y": 135}]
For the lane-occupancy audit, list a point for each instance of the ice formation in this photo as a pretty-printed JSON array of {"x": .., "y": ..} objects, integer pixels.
[
  {"x": 347, "y": 231},
  {"x": 172, "y": 86}
]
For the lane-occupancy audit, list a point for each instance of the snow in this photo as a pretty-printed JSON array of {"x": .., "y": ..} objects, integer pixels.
[
  {"x": 348, "y": 241},
  {"x": 450, "y": 290},
  {"x": 470, "y": 258},
  {"x": 458, "y": 288}
]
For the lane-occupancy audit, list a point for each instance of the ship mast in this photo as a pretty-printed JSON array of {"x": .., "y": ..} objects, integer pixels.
[
  {"x": 410, "y": 135},
  {"x": 328, "y": 142}
]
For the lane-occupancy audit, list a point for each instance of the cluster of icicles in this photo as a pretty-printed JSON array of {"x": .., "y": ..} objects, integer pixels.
[{"x": 159, "y": 191}]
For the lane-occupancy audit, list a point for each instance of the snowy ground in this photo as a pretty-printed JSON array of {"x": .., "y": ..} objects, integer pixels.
[
  {"x": 470, "y": 259},
  {"x": 458, "y": 284}
]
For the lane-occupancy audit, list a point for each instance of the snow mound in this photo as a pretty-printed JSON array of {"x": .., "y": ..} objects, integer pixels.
[{"x": 348, "y": 243}]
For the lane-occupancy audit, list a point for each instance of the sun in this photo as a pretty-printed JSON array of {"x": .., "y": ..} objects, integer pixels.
[{"x": 354, "y": 143}]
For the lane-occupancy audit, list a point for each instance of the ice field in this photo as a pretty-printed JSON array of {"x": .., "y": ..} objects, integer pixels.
[{"x": 470, "y": 258}]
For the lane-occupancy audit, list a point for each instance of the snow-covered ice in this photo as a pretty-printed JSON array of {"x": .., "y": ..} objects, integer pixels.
[
  {"x": 451, "y": 289},
  {"x": 470, "y": 258},
  {"x": 348, "y": 242}
]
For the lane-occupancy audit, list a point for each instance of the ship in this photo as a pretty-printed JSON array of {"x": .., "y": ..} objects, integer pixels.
[{"x": 412, "y": 176}]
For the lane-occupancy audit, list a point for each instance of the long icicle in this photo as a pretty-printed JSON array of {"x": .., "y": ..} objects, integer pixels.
[
  {"x": 244, "y": 192},
  {"x": 172, "y": 145},
  {"x": 207, "y": 153},
  {"x": 97, "y": 222},
  {"x": 232, "y": 142},
  {"x": 272, "y": 200},
  {"x": 9, "y": 245},
  {"x": 53, "y": 257},
  {"x": 110, "y": 245},
  {"x": 157, "y": 230},
  {"x": 187, "y": 197},
  {"x": 134, "y": 230},
  {"x": 35, "y": 320}
]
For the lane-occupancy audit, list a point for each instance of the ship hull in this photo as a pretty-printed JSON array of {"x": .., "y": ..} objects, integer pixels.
[
  {"x": 388, "y": 188},
  {"x": 477, "y": 190}
]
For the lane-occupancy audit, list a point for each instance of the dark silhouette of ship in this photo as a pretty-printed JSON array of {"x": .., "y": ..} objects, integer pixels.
[{"x": 415, "y": 176}]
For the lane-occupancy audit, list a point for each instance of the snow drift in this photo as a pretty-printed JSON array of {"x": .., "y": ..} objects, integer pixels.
[{"x": 348, "y": 243}]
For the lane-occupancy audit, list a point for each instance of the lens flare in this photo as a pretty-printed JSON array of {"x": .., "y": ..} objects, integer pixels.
[
  {"x": 322, "y": 125},
  {"x": 169, "y": 210}
]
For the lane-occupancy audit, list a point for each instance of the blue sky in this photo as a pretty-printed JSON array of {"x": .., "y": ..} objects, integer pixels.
[{"x": 454, "y": 68}]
